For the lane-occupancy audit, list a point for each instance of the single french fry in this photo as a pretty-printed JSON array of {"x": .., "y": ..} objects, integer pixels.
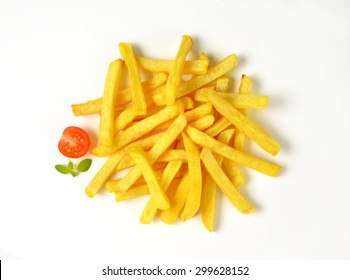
[
  {"x": 226, "y": 137},
  {"x": 218, "y": 127},
  {"x": 175, "y": 75},
  {"x": 237, "y": 100},
  {"x": 135, "y": 191},
  {"x": 233, "y": 170},
  {"x": 155, "y": 65},
  {"x": 209, "y": 187},
  {"x": 195, "y": 177},
  {"x": 106, "y": 128},
  {"x": 205, "y": 58},
  {"x": 145, "y": 166},
  {"x": 198, "y": 112},
  {"x": 177, "y": 201},
  {"x": 187, "y": 101},
  {"x": 220, "y": 178},
  {"x": 90, "y": 107},
  {"x": 197, "y": 82},
  {"x": 260, "y": 165},
  {"x": 123, "y": 97},
  {"x": 242, "y": 123},
  {"x": 141, "y": 128},
  {"x": 169, "y": 173},
  {"x": 203, "y": 123},
  {"x": 138, "y": 96},
  {"x": 124, "y": 118},
  {"x": 222, "y": 84},
  {"x": 173, "y": 155},
  {"x": 244, "y": 89},
  {"x": 104, "y": 174},
  {"x": 208, "y": 202},
  {"x": 112, "y": 185},
  {"x": 156, "y": 151}
]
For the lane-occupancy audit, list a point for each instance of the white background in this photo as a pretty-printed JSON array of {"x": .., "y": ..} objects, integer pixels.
[{"x": 53, "y": 54}]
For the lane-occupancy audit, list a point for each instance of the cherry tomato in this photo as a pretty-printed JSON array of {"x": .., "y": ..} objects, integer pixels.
[{"x": 74, "y": 143}]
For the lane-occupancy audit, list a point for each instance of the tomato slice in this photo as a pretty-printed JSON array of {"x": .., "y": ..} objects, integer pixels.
[{"x": 74, "y": 143}]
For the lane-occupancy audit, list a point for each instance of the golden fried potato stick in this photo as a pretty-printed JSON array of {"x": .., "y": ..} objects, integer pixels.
[
  {"x": 112, "y": 185},
  {"x": 156, "y": 151},
  {"x": 205, "y": 58},
  {"x": 135, "y": 191},
  {"x": 123, "y": 97},
  {"x": 218, "y": 127},
  {"x": 175, "y": 74},
  {"x": 222, "y": 84},
  {"x": 187, "y": 101},
  {"x": 220, "y": 178},
  {"x": 237, "y": 100},
  {"x": 170, "y": 171},
  {"x": 106, "y": 128},
  {"x": 104, "y": 174},
  {"x": 188, "y": 105},
  {"x": 203, "y": 123},
  {"x": 148, "y": 86},
  {"x": 197, "y": 82},
  {"x": 198, "y": 112},
  {"x": 177, "y": 201},
  {"x": 209, "y": 187},
  {"x": 242, "y": 123},
  {"x": 128, "y": 115},
  {"x": 244, "y": 89},
  {"x": 144, "y": 164},
  {"x": 205, "y": 140},
  {"x": 138, "y": 96},
  {"x": 173, "y": 155},
  {"x": 233, "y": 170},
  {"x": 169, "y": 155},
  {"x": 155, "y": 65},
  {"x": 193, "y": 200},
  {"x": 226, "y": 137},
  {"x": 139, "y": 129}
]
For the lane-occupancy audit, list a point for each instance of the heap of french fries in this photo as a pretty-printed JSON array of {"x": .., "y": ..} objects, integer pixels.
[{"x": 179, "y": 141}]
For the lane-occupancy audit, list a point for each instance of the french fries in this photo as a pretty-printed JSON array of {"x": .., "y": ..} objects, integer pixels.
[
  {"x": 220, "y": 178},
  {"x": 177, "y": 143},
  {"x": 169, "y": 173},
  {"x": 138, "y": 97},
  {"x": 209, "y": 188},
  {"x": 144, "y": 164},
  {"x": 106, "y": 129},
  {"x": 156, "y": 151},
  {"x": 124, "y": 96},
  {"x": 195, "y": 67},
  {"x": 175, "y": 74},
  {"x": 195, "y": 179},
  {"x": 243, "y": 124}
]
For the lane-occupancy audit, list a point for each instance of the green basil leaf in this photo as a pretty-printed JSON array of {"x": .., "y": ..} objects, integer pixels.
[
  {"x": 84, "y": 165},
  {"x": 62, "y": 169},
  {"x": 70, "y": 165},
  {"x": 73, "y": 173}
]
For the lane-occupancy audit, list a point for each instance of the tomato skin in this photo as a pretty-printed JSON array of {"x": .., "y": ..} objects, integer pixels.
[{"x": 74, "y": 143}]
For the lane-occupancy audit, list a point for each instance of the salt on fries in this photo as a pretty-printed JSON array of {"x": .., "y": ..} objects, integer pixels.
[{"x": 177, "y": 141}]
